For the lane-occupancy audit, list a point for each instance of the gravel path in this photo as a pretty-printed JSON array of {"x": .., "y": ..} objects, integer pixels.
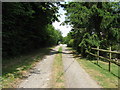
[
  {"x": 75, "y": 75},
  {"x": 40, "y": 76}
]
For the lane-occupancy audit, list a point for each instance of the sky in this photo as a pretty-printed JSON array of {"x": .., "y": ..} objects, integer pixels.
[{"x": 64, "y": 29}]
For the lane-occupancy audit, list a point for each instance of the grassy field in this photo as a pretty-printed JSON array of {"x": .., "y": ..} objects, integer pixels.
[
  {"x": 58, "y": 77},
  {"x": 15, "y": 69},
  {"x": 100, "y": 72}
]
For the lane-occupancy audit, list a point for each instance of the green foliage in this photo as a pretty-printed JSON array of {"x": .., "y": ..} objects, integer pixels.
[
  {"x": 28, "y": 26},
  {"x": 67, "y": 39},
  {"x": 94, "y": 24},
  {"x": 91, "y": 40},
  {"x": 52, "y": 36},
  {"x": 70, "y": 43}
]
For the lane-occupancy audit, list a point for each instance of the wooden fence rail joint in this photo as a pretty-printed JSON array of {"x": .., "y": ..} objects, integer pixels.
[
  {"x": 108, "y": 51},
  {"x": 111, "y": 60}
]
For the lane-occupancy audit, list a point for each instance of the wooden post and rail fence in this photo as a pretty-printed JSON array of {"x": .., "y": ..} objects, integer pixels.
[{"x": 110, "y": 60}]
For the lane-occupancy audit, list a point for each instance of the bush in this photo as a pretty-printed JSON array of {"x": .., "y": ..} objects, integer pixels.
[{"x": 70, "y": 43}]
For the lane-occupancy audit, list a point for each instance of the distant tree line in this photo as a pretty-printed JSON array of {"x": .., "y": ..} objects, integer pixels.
[
  {"x": 93, "y": 24},
  {"x": 27, "y": 26}
]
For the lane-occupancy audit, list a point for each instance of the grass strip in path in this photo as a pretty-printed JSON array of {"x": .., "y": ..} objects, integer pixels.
[{"x": 57, "y": 75}]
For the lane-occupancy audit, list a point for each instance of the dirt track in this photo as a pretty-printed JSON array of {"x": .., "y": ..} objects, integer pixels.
[
  {"x": 40, "y": 75},
  {"x": 75, "y": 75}
]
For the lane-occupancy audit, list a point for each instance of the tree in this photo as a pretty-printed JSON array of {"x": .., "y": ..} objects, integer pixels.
[
  {"x": 28, "y": 26},
  {"x": 94, "y": 24}
]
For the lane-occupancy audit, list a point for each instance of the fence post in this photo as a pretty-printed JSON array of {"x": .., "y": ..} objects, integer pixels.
[
  {"x": 110, "y": 58},
  {"x": 97, "y": 54}
]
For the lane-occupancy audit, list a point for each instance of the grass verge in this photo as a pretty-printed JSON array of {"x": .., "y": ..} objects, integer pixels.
[
  {"x": 58, "y": 77},
  {"x": 100, "y": 72},
  {"x": 15, "y": 69}
]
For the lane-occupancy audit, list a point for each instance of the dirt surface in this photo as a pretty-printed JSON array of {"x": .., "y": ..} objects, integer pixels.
[
  {"x": 40, "y": 76},
  {"x": 75, "y": 75}
]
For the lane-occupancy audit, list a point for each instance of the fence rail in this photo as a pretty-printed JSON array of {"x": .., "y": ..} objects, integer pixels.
[
  {"x": 115, "y": 52},
  {"x": 107, "y": 51}
]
